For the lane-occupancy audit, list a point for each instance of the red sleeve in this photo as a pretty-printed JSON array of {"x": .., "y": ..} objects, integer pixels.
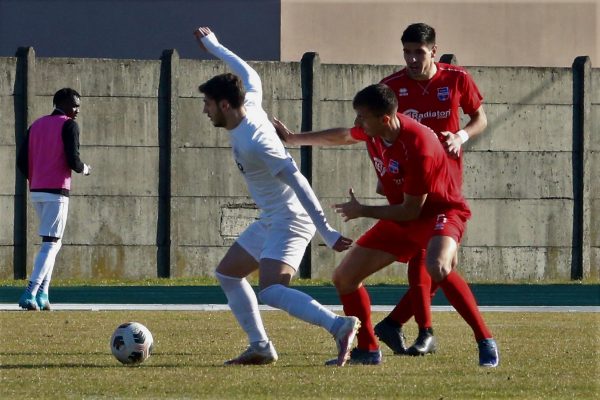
[
  {"x": 470, "y": 97},
  {"x": 358, "y": 134},
  {"x": 418, "y": 177}
]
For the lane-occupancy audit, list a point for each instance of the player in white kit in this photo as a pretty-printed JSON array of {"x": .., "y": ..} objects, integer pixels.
[{"x": 290, "y": 213}]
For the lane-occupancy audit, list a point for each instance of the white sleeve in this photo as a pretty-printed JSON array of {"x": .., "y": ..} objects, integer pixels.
[
  {"x": 249, "y": 76},
  {"x": 294, "y": 179}
]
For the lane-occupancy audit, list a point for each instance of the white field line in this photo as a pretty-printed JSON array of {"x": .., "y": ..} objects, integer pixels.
[{"x": 225, "y": 307}]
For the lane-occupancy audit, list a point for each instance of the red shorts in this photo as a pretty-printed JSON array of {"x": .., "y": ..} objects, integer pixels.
[{"x": 405, "y": 239}]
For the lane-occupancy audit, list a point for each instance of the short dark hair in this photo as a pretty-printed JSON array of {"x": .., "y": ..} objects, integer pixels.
[
  {"x": 225, "y": 87},
  {"x": 419, "y": 33},
  {"x": 378, "y": 98},
  {"x": 63, "y": 95}
]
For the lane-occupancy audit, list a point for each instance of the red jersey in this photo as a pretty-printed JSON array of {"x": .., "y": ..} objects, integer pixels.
[
  {"x": 435, "y": 102},
  {"x": 416, "y": 164}
]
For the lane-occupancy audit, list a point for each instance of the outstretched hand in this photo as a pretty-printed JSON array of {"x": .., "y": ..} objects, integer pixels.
[
  {"x": 342, "y": 244},
  {"x": 284, "y": 133},
  {"x": 351, "y": 209},
  {"x": 200, "y": 33}
]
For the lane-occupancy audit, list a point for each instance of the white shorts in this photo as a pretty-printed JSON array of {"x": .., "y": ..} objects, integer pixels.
[
  {"x": 284, "y": 240},
  {"x": 52, "y": 212}
]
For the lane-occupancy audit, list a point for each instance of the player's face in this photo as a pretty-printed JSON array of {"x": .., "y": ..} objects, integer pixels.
[
  {"x": 419, "y": 59},
  {"x": 71, "y": 107},
  {"x": 212, "y": 109},
  {"x": 372, "y": 125}
]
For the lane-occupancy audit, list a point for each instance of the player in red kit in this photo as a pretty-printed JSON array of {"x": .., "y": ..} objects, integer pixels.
[
  {"x": 432, "y": 93},
  {"x": 426, "y": 208}
]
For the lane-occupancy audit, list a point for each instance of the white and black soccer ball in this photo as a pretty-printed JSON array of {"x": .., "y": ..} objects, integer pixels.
[{"x": 131, "y": 343}]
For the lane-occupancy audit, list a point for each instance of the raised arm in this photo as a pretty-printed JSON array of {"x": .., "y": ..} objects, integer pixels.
[{"x": 208, "y": 42}]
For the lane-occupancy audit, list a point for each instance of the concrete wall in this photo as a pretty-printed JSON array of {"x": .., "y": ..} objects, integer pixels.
[
  {"x": 593, "y": 150},
  {"x": 8, "y": 96},
  {"x": 165, "y": 198},
  {"x": 519, "y": 177}
]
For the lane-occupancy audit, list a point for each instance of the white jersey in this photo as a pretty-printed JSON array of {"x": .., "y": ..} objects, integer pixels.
[{"x": 257, "y": 150}]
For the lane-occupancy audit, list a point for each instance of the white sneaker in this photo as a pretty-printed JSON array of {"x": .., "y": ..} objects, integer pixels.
[
  {"x": 255, "y": 355},
  {"x": 344, "y": 338}
]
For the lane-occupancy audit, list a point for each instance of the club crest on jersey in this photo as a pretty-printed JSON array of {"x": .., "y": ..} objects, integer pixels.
[
  {"x": 378, "y": 164},
  {"x": 443, "y": 93},
  {"x": 440, "y": 222},
  {"x": 393, "y": 167},
  {"x": 403, "y": 92}
]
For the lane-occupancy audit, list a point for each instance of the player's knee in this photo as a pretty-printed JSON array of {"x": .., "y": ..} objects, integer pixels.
[
  {"x": 438, "y": 269},
  {"x": 220, "y": 270},
  {"x": 272, "y": 295},
  {"x": 336, "y": 279},
  {"x": 343, "y": 282},
  {"x": 50, "y": 248},
  {"x": 227, "y": 282},
  {"x": 220, "y": 276}
]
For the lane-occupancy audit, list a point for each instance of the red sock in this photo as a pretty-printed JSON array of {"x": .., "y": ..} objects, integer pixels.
[
  {"x": 420, "y": 290},
  {"x": 461, "y": 297},
  {"x": 417, "y": 300},
  {"x": 403, "y": 310},
  {"x": 358, "y": 304}
]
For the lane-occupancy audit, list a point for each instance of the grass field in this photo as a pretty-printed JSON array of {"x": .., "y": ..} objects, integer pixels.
[{"x": 65, "y": 354}]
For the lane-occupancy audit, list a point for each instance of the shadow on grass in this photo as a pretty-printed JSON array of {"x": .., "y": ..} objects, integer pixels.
[
  {"x": 106, "y": 366},
  {"x": 22, "y": 353},
  {"x": 98, "y": 353},
  {"x": 48, "y": 366}
]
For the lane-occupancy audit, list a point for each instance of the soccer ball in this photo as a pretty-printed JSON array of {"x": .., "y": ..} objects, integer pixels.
[{"x": 131, "y": 343}]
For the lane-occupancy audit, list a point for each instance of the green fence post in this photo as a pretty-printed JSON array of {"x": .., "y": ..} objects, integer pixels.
[{"x": 582, "y": 105}]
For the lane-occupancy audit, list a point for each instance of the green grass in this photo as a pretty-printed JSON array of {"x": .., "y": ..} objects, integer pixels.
[{"x": 65, "y": 354}]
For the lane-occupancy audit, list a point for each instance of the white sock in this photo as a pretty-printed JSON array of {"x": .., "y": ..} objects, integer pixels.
[
  {"x": 244, "y": 306},
  {"x": 44, "y": 263},
  {"x": 45, "y": 285},
  {"x": 299, "y": 305}
]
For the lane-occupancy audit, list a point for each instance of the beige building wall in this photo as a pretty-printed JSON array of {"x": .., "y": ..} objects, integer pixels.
[{"x": 483, "y": 33}]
